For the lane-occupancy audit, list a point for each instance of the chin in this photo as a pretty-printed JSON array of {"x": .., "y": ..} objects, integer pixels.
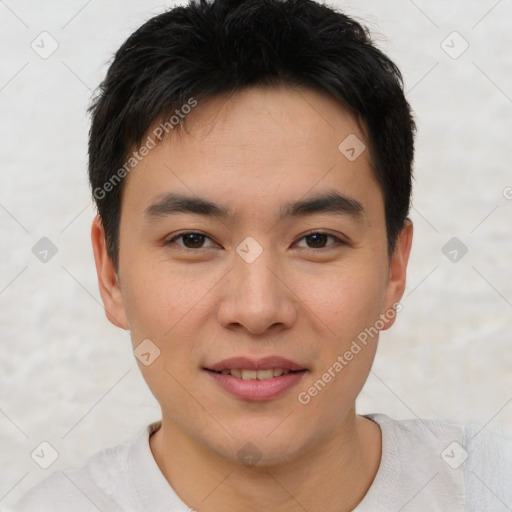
[{"x": 253, "y": 445}]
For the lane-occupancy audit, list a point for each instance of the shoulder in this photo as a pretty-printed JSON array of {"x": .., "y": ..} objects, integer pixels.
[
  {"x": 488, "y": 469},
  {"x": 54, "y": 491},
  {"x": 426, "y": 435},
  {"x": 84, "y": 489},
  {"x": 474, "y": 462}
]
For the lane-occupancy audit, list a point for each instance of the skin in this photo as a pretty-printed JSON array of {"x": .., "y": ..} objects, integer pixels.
[{"x": 304, "y": 299}]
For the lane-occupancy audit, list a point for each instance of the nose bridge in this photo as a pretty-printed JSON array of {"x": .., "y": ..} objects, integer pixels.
[
  {"x": 254, "y": 297},
  {"x": 257, "y": 281}
]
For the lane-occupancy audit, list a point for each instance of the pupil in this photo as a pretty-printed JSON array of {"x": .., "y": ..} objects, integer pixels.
[
  {"x": 315, "y": 236},
  {"x": 195, "y": 238}
]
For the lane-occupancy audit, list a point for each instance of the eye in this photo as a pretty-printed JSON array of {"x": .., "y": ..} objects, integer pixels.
[
  {"x": 191, "y": 240},
  {"x": 195, "y": 240},
  {"x": 318, "y": 240}
]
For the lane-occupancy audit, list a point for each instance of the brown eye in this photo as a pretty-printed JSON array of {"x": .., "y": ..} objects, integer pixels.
[
  {"x": 190, "y": 240},
  {"x": 318, "y": 240}
]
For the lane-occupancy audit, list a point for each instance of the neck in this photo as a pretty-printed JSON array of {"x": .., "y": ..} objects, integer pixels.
[{"x": 333, "y": 476}]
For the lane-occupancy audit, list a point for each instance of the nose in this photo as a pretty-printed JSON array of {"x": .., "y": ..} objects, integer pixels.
[{"x": 256, "y": 297}]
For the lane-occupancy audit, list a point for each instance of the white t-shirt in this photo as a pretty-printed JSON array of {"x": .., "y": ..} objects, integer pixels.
[{"x": 423, "y": 468}]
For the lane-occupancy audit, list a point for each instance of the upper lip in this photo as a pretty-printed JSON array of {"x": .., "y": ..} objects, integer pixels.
[{"x": 265, "y": 363}]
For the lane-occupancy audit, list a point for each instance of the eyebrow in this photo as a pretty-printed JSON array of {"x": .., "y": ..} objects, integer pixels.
[{"x": 330, "y": 202}]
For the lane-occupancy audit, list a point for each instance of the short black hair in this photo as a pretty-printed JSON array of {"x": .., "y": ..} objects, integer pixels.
[{"x": 207, "y": 48}]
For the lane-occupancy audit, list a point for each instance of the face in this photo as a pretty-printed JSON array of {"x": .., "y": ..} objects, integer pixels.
[{"x": 253, "y": 243}]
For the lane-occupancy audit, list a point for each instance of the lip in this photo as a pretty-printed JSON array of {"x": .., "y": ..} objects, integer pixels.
[
  {"x": 265, "y": 363},
  {"x": 257, "y": 390}
]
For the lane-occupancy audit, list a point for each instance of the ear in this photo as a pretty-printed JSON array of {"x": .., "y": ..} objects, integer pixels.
[
  {"x": 108, "y": 280},
  {"x": 397, "y": 274}
]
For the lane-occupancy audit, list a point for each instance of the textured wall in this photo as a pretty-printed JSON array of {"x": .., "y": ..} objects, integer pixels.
[{"x": 68, "y": 377}]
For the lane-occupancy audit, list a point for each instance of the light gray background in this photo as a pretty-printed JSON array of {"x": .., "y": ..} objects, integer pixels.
[{"x": 68, "y": 377}]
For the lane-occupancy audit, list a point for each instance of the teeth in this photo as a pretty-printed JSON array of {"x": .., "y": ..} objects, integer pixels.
[
  {"x": 256, "y": 374},
  {"x": 249, "y": 374},
  {"x": 264, "y": 374}
]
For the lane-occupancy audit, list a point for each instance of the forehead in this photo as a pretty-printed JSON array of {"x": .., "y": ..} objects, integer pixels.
[
  {"x": 279, "y": 118},
  {"x": 273, "y": 142}
]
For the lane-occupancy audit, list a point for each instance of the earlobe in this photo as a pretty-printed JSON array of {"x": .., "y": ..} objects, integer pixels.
[
  {"x": 398, "y": 272},
  {"x": 108, "y": 281}
]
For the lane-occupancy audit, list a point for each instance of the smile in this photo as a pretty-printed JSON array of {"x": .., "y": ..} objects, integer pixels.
[{"x": 255, "y": 374}]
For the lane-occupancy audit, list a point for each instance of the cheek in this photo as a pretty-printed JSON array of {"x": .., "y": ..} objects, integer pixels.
[
  {"x": 348, "y": 304},
  {"x": 158, "y": 308},
  {"x": 155, "y": 297},
  {"x": 345, "y": 300},
  {"x": 164, "y": 306},
  {"x": 149, "y": 309}
]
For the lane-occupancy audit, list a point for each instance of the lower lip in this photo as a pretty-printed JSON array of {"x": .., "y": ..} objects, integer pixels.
[{"x": 257, "y": 390}]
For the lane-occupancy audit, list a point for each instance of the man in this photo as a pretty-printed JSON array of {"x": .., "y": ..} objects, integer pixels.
[{"x": 251, "y": 164}]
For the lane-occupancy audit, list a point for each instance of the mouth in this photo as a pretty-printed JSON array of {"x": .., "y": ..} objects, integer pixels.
[
  {"x": 256, "y": 380},
  {"x": 246, "y": 374}
]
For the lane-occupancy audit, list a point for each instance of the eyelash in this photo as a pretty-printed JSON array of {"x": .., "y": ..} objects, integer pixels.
[{"x": 338, "y": 241}]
